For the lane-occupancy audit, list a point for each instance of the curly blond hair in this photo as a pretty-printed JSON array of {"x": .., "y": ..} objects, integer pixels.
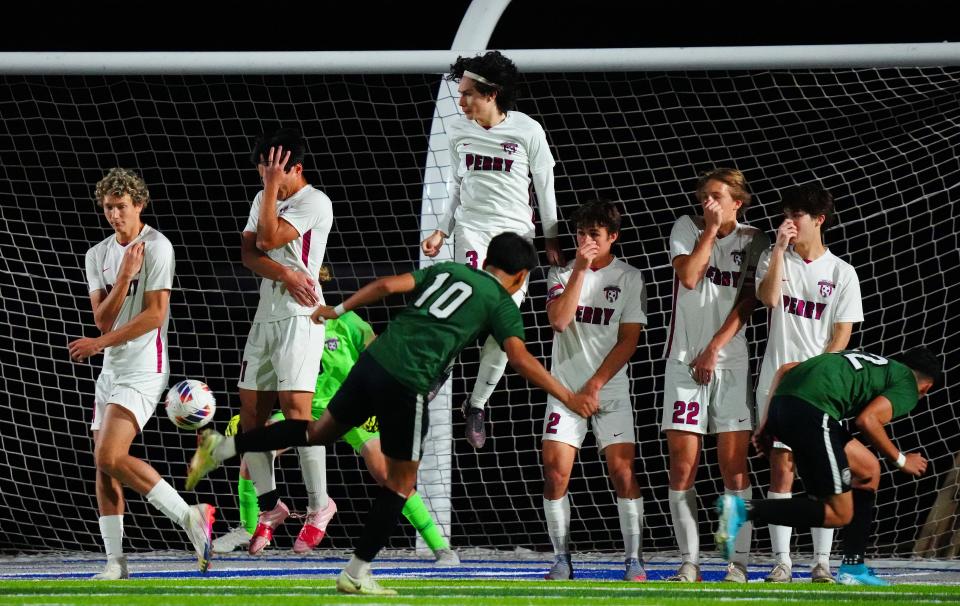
[
  {"x": 734, "y": 180},
  {"x": 119, "y": 182}
]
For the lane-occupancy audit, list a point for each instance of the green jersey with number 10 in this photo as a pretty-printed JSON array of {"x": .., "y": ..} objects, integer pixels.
[
  {"x": 841, "y": 384},
  {"x": 451, "y": 306}
]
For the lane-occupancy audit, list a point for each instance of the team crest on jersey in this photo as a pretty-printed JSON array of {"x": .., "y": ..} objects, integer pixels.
[
  {"x": 612, "y": 293},
  {"x": 737, "y": 256},
  {"x": 509, "y": 147},
  {"x": 332, "y": 344},
  {"x": 826, "y": 287}
]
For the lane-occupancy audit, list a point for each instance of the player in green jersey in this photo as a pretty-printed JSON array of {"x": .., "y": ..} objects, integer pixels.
[
  {"x": 452, "y": 305},
  {"x": 346, "y": 337},
  {"x": 810, "y": 399}
]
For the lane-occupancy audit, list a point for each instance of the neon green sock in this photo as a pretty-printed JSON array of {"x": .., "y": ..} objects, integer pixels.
[
  {"x": 249, "y": 510},
  {"x": 415, "y": 510}
]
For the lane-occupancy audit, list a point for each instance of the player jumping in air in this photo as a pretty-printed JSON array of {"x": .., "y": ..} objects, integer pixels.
[
  {"x": 451, "y": 305},
  {"x": 707, "y": 371},
  {"x": 495, "y": 154},
  {"x": 130, "y": 276},
  {"x": 597, "y": 307},
  {"x": 810, "y": 399},
  {"x": 814, "y": 298}
]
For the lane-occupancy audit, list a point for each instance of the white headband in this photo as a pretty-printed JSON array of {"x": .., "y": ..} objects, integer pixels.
[{"x": 479, "y": 78}]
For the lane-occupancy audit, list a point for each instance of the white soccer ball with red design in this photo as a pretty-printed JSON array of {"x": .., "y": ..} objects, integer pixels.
[{"x": 190, "y": 404}]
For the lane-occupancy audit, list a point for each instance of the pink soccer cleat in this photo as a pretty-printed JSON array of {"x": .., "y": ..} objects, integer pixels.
[
  {"x": 267, "y": 523},
  {"x": 315, "y": 528}
]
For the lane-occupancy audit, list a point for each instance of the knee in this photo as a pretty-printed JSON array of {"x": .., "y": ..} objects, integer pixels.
[
  {"x": 682, "y": 473},
  {"x": 554, "y": 482},
  {"x": 107, "y": 461},
  {"x": 623, "y": 480},
  {"x": 781, "y": 476}
]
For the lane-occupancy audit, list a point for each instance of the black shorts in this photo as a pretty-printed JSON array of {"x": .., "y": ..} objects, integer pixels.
[
  {"x": 370, "y": 390},
  {"x": 817, "y": 441}
]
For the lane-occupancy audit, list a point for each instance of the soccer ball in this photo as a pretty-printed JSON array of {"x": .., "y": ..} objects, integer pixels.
[{"x": 190, "y": 404}]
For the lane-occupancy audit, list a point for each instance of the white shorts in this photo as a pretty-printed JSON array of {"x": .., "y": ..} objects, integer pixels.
[
  {"x": 762, "y": 395},
  {"x": 470, "y": 248},
  {"x": 613, "y": 424},
  {"x": 138, "y": 392},
  {"x": 282, "y": 355},
  {"x": 725, "y": 404}
]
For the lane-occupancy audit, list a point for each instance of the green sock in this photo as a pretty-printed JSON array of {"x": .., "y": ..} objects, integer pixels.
[
  {"x": 415, "y": 510},
  {"x": 249, "y": 510}
]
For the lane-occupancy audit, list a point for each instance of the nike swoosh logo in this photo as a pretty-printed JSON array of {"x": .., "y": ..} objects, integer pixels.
[
  {"x": 106, "y": 269},
  {"x": 617, "y": 435},
  {"x": 494, "y": 383},
  {"x": 740, "y": 420},
  {"x": 281, "y": 380}
]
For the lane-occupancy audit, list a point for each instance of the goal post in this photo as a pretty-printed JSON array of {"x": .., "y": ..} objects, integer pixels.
[{"x": 882, "y": 136}]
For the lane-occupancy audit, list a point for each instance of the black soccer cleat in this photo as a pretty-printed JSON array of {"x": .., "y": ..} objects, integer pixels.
[{"x": 475, "y": 430}]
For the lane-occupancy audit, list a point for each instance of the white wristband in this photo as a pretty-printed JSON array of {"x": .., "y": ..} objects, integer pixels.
[
  {"x": 339, "y": 310},
  {"x": 901, "y": 460}
]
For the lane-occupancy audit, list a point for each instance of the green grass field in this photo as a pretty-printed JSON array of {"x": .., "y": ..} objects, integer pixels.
[{"x": 291, "y": 592}]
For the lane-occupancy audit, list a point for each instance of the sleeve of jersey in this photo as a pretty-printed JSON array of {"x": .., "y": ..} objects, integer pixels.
[
  {"x": 419, "y": 276},
  {"x": 254, "y": 218},
  {"x": 446, "y": 221},
  {"x": 94, "y": 272},
  {"x": 158, "y": 266},
  {"x": 546, "y": 202},
  {"x": 849, "y": 303},
  {"x": 555, "y": 285},
  {"x": 683, "y": 237},
  {"x": 505, "y": 321},
  {"x": 635, "y": 310},
  {"x": 763, "y": 266},
  {"x": 902, "y": 393},
  {"x": 315, "y": 212}
]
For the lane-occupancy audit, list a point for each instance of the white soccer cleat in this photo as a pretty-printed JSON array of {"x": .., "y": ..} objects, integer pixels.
[
  {"x": 204, "y": 461},
  {"x": 561, "y": 569},
  {"x": 781, "y": 573},
  {"x": 365, "y": 585},
  {"x": 233, "y": 540},
  {"x": 314, "y": 528},
  {"x": 687, "y": 573},
  {"x": 446, "y": 557},
  {"x": 736, "y": 573},
  {"x": 821, "y": 574},
  {"x": 199, "y": 528},
  {"x": 115, "y": 570}
]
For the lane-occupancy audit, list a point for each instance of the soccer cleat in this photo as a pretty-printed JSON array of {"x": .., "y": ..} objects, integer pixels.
[
  {"x": 859, "y": 574},
  {"x": 562, "y": 568},
  {"x": 199, "y": 528},
  {"x": 238, "y": 537},
  {"x": 204, "y": 461},
  {"x": 736, "y": 573},
  {"x": 266, "y": 524},
  {"x": 115, "y": 570},
  {"x": 475, "y": 430},
  {"x": 733, "y": 514},
  {"x": 634, "y": 570},
  {"x": 781, "y": 573},
  {"x": 365, "y": 585},
  {"x": 446, "y": 557},
  {"x": 821, "y": 574},
  {"x": 314, "y": 528},
  {"x": 687, "y": 573}
]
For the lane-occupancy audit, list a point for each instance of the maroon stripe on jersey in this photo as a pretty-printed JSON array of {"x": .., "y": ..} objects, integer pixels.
[
  {"x": 673, "y": 313},
  {"x": 553, "y": 293},
  {"x": 159, "y": 352},
  {"x": 305, "y": 254}
]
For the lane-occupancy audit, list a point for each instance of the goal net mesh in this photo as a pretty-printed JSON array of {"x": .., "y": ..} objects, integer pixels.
[{"x": 884, "y": 141}]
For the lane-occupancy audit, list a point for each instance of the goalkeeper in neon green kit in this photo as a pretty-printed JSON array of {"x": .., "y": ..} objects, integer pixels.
[{"x": 346, "y": 337}]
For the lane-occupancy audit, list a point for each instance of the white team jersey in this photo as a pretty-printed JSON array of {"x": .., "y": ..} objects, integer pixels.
[
  {"x": 609, "y": 296},
  {"x": 490, "y": 184},
  {"x": 148, "y": 352},
  {"x": 814, "y": 296},
  {"x": 699, "y": 313},
  {"x": 310, "y": 212}
]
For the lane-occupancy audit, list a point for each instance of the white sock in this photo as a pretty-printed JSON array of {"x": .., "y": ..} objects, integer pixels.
[
  {"x": 822, "y": 545},
  {"x": 357, "y": 568},
  {"x": 780, "y": 535},
  {"x": 493, "y": 362},
  {"x": 313, "y": 463},
  {"x": 745, "y": 534},
  {"x": 683, "y": 511},
  {"x": 260, "y": 468},
  {"x": 631, "y": 525},
  {"x": 558, "y": 523},
  {"x": 226, "y": 449},
  {"x": 111, "y": 529},
  {"x": 167, "y": 500}
]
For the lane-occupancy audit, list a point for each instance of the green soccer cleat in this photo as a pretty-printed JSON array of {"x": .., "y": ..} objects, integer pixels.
[
  {"x": 204, "y": 461},
  {"x": 365, "y": 585}
]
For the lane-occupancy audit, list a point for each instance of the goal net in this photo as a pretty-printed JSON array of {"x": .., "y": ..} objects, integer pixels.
[{"x": 884, "y": 141}]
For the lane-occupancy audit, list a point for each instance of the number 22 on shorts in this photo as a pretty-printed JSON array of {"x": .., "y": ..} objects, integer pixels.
[{"x": 686, "y": 413}]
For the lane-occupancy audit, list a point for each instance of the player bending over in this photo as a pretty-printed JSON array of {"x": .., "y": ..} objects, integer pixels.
[
  {"x": 597, "y": 308},
  {"x": 810, "y": 399},
  {"x": 129, "y": 276},
  {"x": 452, "y": 305},
  {"x": 495, "y": 153}
]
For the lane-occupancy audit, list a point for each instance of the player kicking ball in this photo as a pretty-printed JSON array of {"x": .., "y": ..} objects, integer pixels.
[
  {"x": 810, "y": 399},
  {"x": 451, "y": 306}
]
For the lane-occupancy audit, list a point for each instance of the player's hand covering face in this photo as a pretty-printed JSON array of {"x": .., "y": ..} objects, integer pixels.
[{"x": 718, "y": 204}]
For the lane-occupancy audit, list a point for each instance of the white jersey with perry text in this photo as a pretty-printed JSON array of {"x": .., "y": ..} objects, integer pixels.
[
  {"x": 610, "y": 296},
  {"x": 699, "y": 313},
  {"x": 814, "y": 296},
  {"x": 148, "y": 352},
  {"x": 310, "y": 212},
  {"x": 490, "y": 180}
]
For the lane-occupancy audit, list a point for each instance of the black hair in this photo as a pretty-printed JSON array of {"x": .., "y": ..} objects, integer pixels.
[
  {"x": 290, "y": 139},
  {"x": 601, "y": 213},
  {"x": 497, "y": 69},
  {"x": 922, "y": 361},
  {"x": 511, "y": 253},
  {"x": 810, "y": 198}
]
